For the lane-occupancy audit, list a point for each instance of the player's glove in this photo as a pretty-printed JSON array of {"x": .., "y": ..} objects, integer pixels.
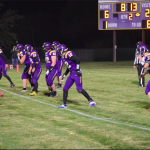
[
  {"x": 47, "y": 72},
  {"x": 78, "y": 72},
  {"x": 62, "y": 78}
]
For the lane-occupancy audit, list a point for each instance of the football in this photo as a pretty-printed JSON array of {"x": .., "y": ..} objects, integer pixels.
[{"x": 1, "y": 94}]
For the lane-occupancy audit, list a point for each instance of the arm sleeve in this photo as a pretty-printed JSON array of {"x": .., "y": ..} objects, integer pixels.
[
  {"x": 35, "y": 59},
  {"x": 75, "y": 59},
  {"x": 66, "y": 72},
  {"x": 4, "y": 57}
]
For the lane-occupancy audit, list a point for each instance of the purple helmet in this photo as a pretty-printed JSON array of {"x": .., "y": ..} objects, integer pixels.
[
  {"x": 61, "y": 48},
  {"x": 142, "y": 48},
  {"x": 19, "y": 47},
  {"x": 55, "y": 43},
  {"x": 47, "y": 46},
  {"x": 28, "y": 48}
]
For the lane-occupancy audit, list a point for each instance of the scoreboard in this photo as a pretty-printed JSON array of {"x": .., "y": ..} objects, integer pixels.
[{"x": 124, "y": 15}]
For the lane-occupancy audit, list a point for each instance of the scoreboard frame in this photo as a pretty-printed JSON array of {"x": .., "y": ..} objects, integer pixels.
[{"x": 125, "y": 12}]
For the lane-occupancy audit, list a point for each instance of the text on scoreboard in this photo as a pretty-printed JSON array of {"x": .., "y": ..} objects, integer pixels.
[{"x": 124, "y": 15}]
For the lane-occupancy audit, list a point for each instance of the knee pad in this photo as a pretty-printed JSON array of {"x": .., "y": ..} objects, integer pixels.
[
  {"x": 33, "y": 81},
  {"x": 79, "y": 89}
]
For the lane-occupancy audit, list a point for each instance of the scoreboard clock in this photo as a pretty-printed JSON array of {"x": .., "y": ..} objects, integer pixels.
[{"x": 124, "y": 15}]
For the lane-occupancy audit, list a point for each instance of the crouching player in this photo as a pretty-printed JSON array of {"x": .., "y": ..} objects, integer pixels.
[
  {"x": 146, "y": 54},
  {"x": 3, "y": 67},
  {"x": 23, "y": 57},
  {"x": 35, "y": 68},
  {"x": 73, "y": 66},
  {"x": 51, "y": 68}
]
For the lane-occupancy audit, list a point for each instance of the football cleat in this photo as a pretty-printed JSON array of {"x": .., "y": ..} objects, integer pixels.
[
  {"x": 33, "y": 93},
  {"x": 12, "y": 85},
  {"x": 92, "y": 103},
  {"x": 32, "y": 88},
  {"x": 24, "y": 91},
  {"x": 62, "y": 106},
  {"x": 50, "y": 94},
  {"x": 58, "y": 86},
  {"x": 54, "y": 94}
]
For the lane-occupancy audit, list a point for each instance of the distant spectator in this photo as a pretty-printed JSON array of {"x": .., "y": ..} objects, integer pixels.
[{"x": 14, "y": 56}]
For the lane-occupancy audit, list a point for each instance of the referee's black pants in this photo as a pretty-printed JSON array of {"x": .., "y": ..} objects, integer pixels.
[{"x": 140, "y": 69}]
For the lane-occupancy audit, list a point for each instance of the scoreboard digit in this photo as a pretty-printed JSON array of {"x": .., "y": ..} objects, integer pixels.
[{"x": 124, "y": 15}]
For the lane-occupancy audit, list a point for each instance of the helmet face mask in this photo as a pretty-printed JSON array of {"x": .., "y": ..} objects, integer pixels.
[
  {"x": 55, "y": 44},
  {"x": 61, "y": 49},
  {"x": 19, "y": 47},
  {"x": 46, "y": 46},
  {"x": 28, "y": 48}
]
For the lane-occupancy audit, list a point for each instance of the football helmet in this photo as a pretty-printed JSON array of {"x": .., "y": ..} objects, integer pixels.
[
  {"x": 61, "y": 48},
  {"x": 142, "y": 48},
  {"x": 47, "y": 46},
  {"x": 28, "y": 48},
  {"x": 19, "y": 47},
  {"x": 55, "y": 43}
]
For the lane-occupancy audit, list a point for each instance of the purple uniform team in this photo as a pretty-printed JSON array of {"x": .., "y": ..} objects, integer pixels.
[
  {"x": 35, "y": 68},
  {"x": 143, "y": 50},
  {"x": 25, "y": 56},
  {"x": 73, "y": 66},
  {"x": 3, "y": 68},
  {"x": 51, "y": 68},
  {"x": 59, "y": 65}
]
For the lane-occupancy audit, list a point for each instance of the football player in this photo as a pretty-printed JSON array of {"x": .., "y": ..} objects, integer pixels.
[
  {"x": 146, "y": 66},
  {"x": 51, "y": 68},
  {"x": 23, "y": 57},
  {"x": 73, "y": 66},
  {"x": 59, "y": 64},
  {"x": 35, "y": 68},
  {"x": 3, "y": 67}
]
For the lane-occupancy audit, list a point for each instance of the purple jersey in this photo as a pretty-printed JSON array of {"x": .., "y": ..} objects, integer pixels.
[
  {"x": 34, "y": 54},
  {"x": 147, "y": 56},
  {"x": 49, "y": 60},
  {"x": 66, "y": 59},
  {"x": 27, "y": 60},
  {"x": 1, "y": 59}
]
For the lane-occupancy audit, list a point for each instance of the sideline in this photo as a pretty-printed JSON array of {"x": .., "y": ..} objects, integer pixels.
[{"x": 77, "y": 112}]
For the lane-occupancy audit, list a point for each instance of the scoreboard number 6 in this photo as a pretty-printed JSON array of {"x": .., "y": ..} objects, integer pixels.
[{"x": 106, "y": 14}]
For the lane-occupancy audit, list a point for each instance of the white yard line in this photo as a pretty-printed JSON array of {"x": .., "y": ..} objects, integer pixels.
[{"x": 77, "y": 112}]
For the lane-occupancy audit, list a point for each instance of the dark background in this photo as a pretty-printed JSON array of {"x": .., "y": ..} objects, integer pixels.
[{"x": 73, "y": 23}]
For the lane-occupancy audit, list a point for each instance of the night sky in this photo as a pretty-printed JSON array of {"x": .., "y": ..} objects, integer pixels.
[{"x": 73, "y": 23}]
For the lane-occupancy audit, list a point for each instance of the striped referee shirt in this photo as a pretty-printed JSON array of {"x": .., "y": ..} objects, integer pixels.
[{"x": 136, "y": 60}]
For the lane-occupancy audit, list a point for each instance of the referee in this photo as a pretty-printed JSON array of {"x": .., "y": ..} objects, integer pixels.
[{"x": 140, "y": 66}]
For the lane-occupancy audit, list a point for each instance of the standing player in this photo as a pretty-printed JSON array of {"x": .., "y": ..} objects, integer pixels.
[
  {"x": 59, "y": 65},
  {"x": 4, "y": 66},
  {"x": 51, "y": 68},
  {"x": 139, "y": 62},
  {"x": 73, "y": 66},
  {"x": 35, "y": 67},
  {"x": 146, "y": 66},
  {"x": 23, "y": 57}
]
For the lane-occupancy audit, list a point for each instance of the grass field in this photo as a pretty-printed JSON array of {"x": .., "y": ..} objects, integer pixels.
[{"x": 119, "y": 120}]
